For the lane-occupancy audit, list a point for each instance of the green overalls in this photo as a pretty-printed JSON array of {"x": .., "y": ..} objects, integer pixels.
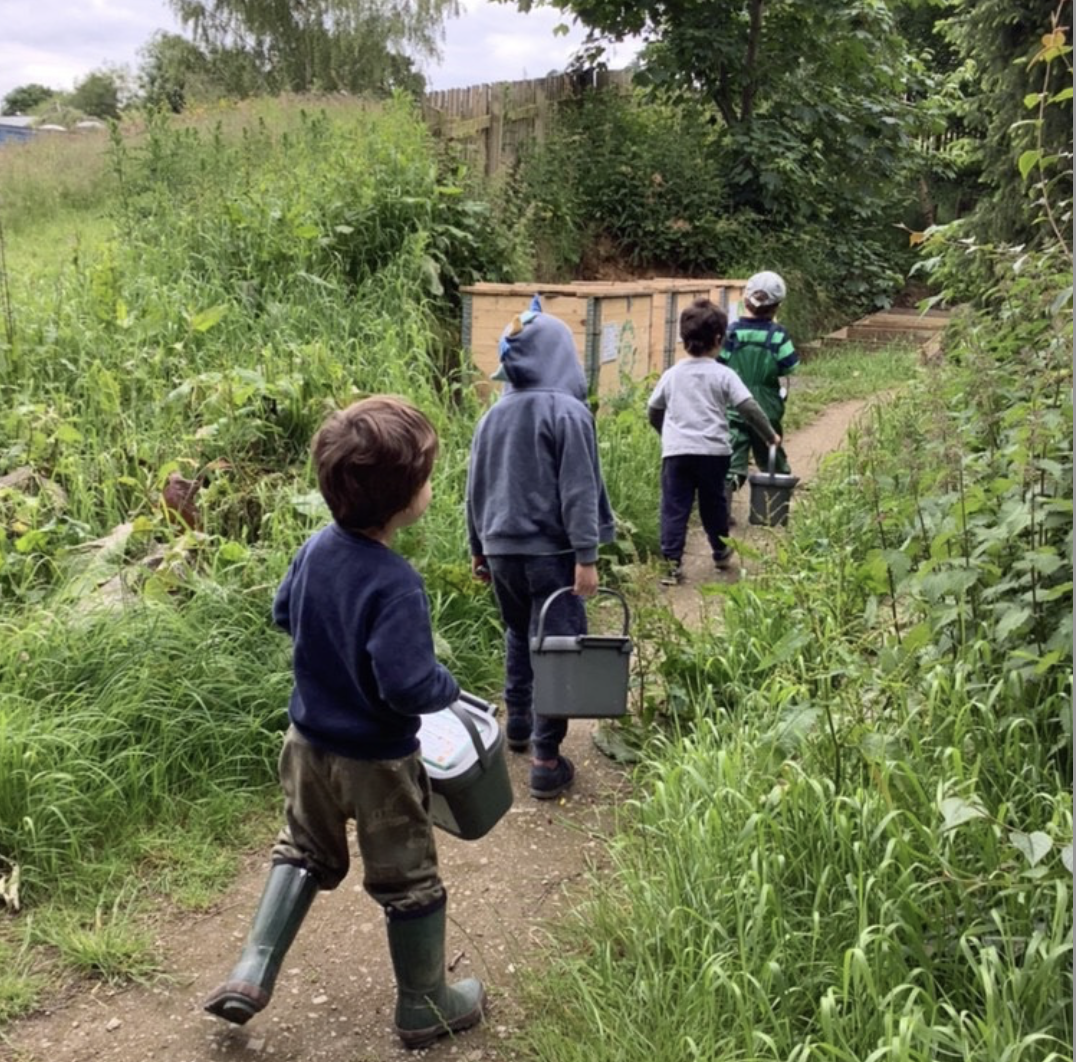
[{"x": 760, "y": 352}]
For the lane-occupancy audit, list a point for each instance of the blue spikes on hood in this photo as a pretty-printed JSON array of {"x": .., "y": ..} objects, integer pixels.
[{"x": 538, "y": 352}]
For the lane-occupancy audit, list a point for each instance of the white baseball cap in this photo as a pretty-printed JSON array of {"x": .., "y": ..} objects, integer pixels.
[{"x": 764, "y": 289}]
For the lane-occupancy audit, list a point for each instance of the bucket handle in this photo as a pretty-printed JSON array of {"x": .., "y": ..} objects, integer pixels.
[
  {"x": 477, "y": 702},
  {"x": 472, "y": 732},
  {"x": 771, "y": 461},
  {"x": 563, "y": 590}
]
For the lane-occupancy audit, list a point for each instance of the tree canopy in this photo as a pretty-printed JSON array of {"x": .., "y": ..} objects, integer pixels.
[
  {"x": 24, "y": 98},
  {"x": 327, "y": 45},
  {"x": 98, "y": 94},
  {"x": 814, "y": 95}
]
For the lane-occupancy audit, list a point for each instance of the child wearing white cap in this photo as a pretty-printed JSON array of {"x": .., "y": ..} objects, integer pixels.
[{"x": 760, "y": 352}]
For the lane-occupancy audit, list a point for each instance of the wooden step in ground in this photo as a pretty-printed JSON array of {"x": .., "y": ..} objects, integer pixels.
[{"x": 897, "y": 326}]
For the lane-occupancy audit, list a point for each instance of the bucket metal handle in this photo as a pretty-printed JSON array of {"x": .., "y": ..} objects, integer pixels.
[
  {"x": 771, "y": 461},
  {"x": 539, "y": 637},
  {"x": 472, "y": 732}
]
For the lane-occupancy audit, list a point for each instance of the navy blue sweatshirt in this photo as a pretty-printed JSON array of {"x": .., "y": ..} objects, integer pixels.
[
  {"x": 534, "y": 484},
  {"x": 364, "y": 662}
]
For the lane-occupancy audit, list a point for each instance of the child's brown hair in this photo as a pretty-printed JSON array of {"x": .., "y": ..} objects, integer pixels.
[
  {"x": 702, "y": 327},
  {"x": 372, "y": 459}
]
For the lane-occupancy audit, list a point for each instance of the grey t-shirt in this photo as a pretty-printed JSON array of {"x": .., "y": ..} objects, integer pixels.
[{"x": 696, "y": 394}]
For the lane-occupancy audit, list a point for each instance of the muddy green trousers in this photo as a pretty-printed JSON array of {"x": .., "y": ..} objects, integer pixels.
[{"x": 390, "y": 803}]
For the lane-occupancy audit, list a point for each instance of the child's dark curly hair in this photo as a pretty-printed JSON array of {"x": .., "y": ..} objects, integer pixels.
[{"x": 702, "y": 327}]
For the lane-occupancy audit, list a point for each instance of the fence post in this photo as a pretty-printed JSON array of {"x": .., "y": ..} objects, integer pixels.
[{"x": 495, "y": 132}]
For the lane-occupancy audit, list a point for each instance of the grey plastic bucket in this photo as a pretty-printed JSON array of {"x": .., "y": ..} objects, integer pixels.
[
  {"x": 771, "y": 494},
  {"x": 581, "y": 676}
]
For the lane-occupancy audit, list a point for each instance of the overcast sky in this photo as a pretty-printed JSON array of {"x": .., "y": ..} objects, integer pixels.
[{"x": 57, "y": 42}]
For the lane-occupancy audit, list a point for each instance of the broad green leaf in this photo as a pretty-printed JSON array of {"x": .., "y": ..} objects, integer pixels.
[
  {"x": 156, "y": 589},
  {"x": 953, "y": 581},
  {"x": 1063, "y": 297},
  {"x": 1035, "y": 846},
  {"x": 875, "y": 572},
  {"x": 431, "y": 273},
  {"x": 1013, "y": 619},
  {"x": 1028, "y": 160},
  {"x": 785, "y": 648},
  {"x": 899, "y": 563},
  {"x": 1048, "y": 661},
  {"x": 794, "y": 726},
  {"x": 1044, "y": 562},
  {"x": 956, "y": 811},
  {"x": 881, "y": 748},
  {"x": 206, "y": 319},
  {"x": 306, "y": 232},
  {"x": 916, "y": 637},
  {"x": 68, "y": 433},
  {"x": 233, "y": 552},
  {"x": 1066, "y": 857}
]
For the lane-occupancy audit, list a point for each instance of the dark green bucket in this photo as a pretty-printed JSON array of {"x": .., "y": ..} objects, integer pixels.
[{"x": 462, "y": 749}]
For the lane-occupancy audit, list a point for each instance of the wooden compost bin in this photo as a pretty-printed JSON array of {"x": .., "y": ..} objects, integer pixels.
[
  {"x": 672, "y": 295},
  {"x": 611, "y": 323},
  {"x": 628, "y": 329}
]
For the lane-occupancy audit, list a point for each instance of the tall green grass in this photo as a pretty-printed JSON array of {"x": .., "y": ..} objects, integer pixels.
[
  {"x": 115, "y": 720},
  {"x": 261, "y": 270}
]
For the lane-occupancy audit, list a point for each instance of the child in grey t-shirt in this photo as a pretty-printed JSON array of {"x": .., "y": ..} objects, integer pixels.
[{"x": 689, "y": 408}]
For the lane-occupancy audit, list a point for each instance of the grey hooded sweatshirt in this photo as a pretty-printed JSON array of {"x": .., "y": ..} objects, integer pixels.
[{"x": 534, "y": 483}]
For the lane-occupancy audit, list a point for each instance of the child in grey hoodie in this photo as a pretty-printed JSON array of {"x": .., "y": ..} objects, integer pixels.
[{"x": 537, "y": 510}]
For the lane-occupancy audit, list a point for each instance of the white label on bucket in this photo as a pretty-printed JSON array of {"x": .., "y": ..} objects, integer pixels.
[{"x": 445, "y": 745}]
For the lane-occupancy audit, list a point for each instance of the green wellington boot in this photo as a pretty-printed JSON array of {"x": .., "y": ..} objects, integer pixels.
[
  {"x": 288, "y": 894},
  {"x": 426, "y": 1007}
]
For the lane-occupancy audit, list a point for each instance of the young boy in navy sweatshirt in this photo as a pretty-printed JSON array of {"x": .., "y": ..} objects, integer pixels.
[
  {"x": 537, "y": 511},
  {"x": 364, "y": 671}
]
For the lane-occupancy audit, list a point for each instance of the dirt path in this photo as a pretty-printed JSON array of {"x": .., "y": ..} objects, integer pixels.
[
  {"x": 805, "y": 450},
  {"x": 334, "y": 998}
]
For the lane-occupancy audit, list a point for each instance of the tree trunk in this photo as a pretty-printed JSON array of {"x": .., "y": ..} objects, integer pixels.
[{"x": 747, "y": 101}]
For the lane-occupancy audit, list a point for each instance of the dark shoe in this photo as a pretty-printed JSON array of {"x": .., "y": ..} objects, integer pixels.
[
  {"x": 550, "y": 782},
  {"x": 427, "y": 1007},
  {"x": 674, "y": 574},
  {"x": 725, "y": 558},
  {"x": 517, "y": 732},
  {"x": 288, "y": 894}
]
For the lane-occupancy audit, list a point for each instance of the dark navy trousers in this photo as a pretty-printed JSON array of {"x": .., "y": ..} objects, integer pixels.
[
  {"x": 682, "y": 477},
  {"x": 521, "y": 585}
]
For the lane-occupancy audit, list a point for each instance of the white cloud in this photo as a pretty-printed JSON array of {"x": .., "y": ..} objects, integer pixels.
[
  {"x": 58, "y": 42},
  {"x": 494, "y": 42}
]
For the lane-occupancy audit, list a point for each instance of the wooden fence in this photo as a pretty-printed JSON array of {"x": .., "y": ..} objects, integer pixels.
[{"x": 492, "y": 123}]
